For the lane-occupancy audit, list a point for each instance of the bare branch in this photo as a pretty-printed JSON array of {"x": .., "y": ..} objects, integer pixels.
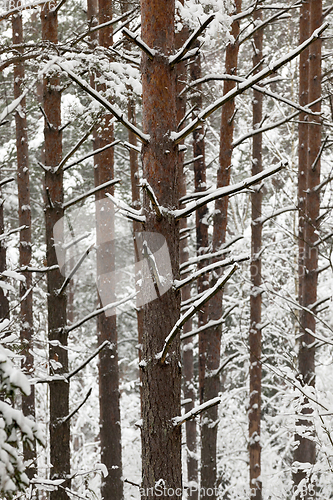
[
  {"x": 72, "y": 413},
  {"x": 12, "y": 231},
  {"x": 76, "y": 267},
  {"x": 189, "y": 42},
  {"x": 93, "y": 153},
  {"x": 27, "y": 269},
  {"x": 195, "y": 307},
  {"x": 6, "y": 181},
  {"x": 98, "y": 97},
  {"x": 313, "y": 166},
  {"x": 249, "y": 82},
  {"x": 76, "y": 147},
  {"x": 90, "y": 193},
  {"x": 207, "y": 197}
]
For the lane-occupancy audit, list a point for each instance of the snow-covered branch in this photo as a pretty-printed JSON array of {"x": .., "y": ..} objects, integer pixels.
[
  {"x": 75, "y": 268},
  {"x": 212, "y": 195},
  {"x": 139, "y": 42},
  {"x": 107, "y": 105},
  {"x": 247, "y": 83},
  {"x": 193, "y": 309},
  {"x": 195, "y": 411},
  {"x": 85, "y": 195},
  {"x": 211, "y": 324},
  {"x": 126, "y": 210},
  {"x": 92, "y": 153},
  {"x": 189, "y": 42},
  {"x": 151, "y": 195}
]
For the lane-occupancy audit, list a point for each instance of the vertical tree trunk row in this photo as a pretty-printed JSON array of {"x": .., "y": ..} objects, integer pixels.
[
  {"x": 58, "y": 357},
  {"x": 23, "y": 186},
  {"x": 255, "y": 297}
]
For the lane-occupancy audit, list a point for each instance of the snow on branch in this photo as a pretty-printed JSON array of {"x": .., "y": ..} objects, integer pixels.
[
  {"x": 93, "y": 153},
  {"x": 107, "y": 105},
  {"x": 151, "y": 195},
  {"x": 126, "y": 210},
  {"x": 215, "y": 265},
  {"x": 75, "y": 268},
  {"x": 139, "y": 42},
  {"x": 12, "y": 231},
  {"x": 212, "y": 195},
  {"x": 211, "y": 324},
  {"x": 13, "y": 105},
  {"x": 263, "y": 219},
  {"x": 193, "y": 309},
  {"x": 212, "y": 255},
  {"x": 247, "y": 83},
  {"x": 189, "y": 42},
  {"x": 85, "y": 195},
  {"x": 195, "y": 411}
]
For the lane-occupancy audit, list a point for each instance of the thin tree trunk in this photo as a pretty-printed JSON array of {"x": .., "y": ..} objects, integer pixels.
[
  {"x": 255, "y": 296},
  {"x": 4, "y": 303},
  {"x": 306, "y": 452},
  {"x": 212, "y": 382},
  {"x": 109, "y": 396},
  {"x": 59, "y": 391},
  {"x": 23, "y": 184},
  {"x": 161, "y": 383},
  {"x": 187, "y": 346}
]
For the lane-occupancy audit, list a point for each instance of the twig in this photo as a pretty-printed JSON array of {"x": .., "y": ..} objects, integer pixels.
[
  {"x": 149, "y": 190},
  {"x": 76, "y": 147},
  {"x": 227, "y": 191},
  {"x": 72, "y": 413},
  {"x": 195, "y": 307},
  {"x": 139, "y": 42},
  {"x": 314, "y": 164},
  {"x": 75, "y": 268},
  {"x": 189, "y": 42},
  {"x": 90, "y": 193},
  {"x": 249, "y": 82},
  {"x": 12, "y": 231},
  {"x": 98, "y": 97},
  {"x": 93, "y": 153},
  {"x": 6, "y": 181},
  {"x": 126, "y": 210},
  {"x": 196, "y": 411},
  {"x": 26, "y": 269}
]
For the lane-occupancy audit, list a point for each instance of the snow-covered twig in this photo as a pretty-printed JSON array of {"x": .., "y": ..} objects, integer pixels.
[
  {"x": 249, "y": 82},
  {"x": 195, "y": 411},
  {"x": 263, "y": 219},
  {"x": 211, "y": 267},
  {"x": 195, "y": 307},
  {"x": 189, "y": 42},
  {"x": 151, "y": 195},
  {"x": 215, "y": 194},
  {"x": 211, "y": 324},
  {"x": 93, "y": 153},
  {"x": 126, "y": 210},
  {"x": 12, "y": 231},
  {"x": 139, "y": 42},
  {"x": 107, "y": 105},
  {"x": 75, "y": 268},
  {"x": 72, "y": 202},
  {"x": 27, "y": 269}
]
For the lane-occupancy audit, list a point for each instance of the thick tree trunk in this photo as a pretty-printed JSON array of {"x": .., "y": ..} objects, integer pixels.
[
  {"x": 213, "y": 336},
  {"x": 109, "y": 396},
  {"x": 255, "y": 297},
  {"x": 59, "y": 391},
  {"x": 306, "y": 451},
  {"x": 23, "y": 185},
  {"x": 161, "y": 383}
]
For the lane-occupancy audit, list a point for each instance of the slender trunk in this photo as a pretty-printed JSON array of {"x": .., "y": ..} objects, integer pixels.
[
  {"x": 59, "y": 391},
  {"x": 187, "y": 346},
  {"x": 4, "y": 303},
  {"x": 23, "y": 185},
  {"x": 212, "y": 382},
  {"x": 255, "y": 296},
  {"x": 161, "y": 383},
  {"x": 109, "y": 396},
  {"x": 306, "y": 452}
]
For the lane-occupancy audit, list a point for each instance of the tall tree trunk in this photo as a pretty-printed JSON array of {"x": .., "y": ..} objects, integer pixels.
[
  {"x": 187, "y": 346},
  {"x": 109, "y": 396},
  {"x": 4, "y": 303},
  {"x": 161, "y": 383},
  {"x": 56, "y": 303},
  {"x": 255, "y": 296},
  {"x": 23, "y": 184},
  {"x": 213, "y": 343},
  {"x": 306, "y": 451}
]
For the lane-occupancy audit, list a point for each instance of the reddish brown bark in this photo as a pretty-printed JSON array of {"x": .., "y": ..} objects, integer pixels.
[
  {"x": 255, "y": 297},
  {"x": 109, "y": 396},
  {"x": 56, "y": 303},
  {"x": 213, "y": 344},
  {"x": 4, "y": 303},
  {"x": 306, "y": 451},
  {"x": 161, "y": 384},
  {"x": 23, "y": 186}
]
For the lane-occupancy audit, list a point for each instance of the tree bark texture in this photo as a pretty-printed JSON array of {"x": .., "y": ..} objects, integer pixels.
[
  {"x": 211, "y": 382},
  {"x": 161, "y": 383},
  {"x": 109, "y": 396},
  {"x": 4, "y": 303},
  {"x": 254, "y": 414},
  {"x": 306, "y": 451},
  {"x": 58, "y": 357},
  {"x": 23, "y": 186}
]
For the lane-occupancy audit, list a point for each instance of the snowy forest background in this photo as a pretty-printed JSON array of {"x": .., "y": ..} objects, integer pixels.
[{"x": 116, "y": 74}]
